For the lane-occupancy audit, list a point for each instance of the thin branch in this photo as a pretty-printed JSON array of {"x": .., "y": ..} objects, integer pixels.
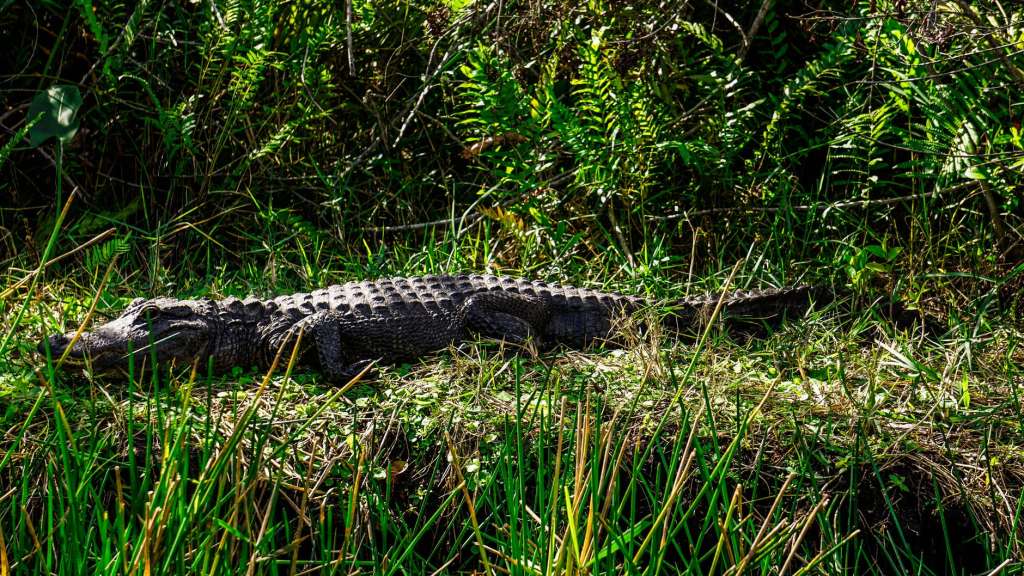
[
  {"x": 982, "y": 64},
  {"x": 444, "y": 128},
  {"x": 999, "y": 568},
  {"x": 809, "y": 207},
  {"x": 468, "y": 221},
  {"x": 745, "y": 40},
  {"x": 348, "y": 38},
  {"x": 993, "y": 211},
  {"x": 409, "y": 114},
  {"x": 748, "y": 38},
  {"x": 427, "y": 82},
  {"x": 655, "y": 31}
]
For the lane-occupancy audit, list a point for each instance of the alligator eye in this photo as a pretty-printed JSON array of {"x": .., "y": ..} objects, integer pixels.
[{"x": 150, "y": 310}]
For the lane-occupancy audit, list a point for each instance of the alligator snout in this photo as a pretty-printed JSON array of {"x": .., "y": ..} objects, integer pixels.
[{"x": 58, "y": 343}]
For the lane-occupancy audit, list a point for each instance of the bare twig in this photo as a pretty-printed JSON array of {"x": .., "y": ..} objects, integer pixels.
[
  {"x": 359, "y": 159},
  {"x": 728, "y": 17},
  {"x": 754, "y": 26},
  {"x": 53, "y": 162},
  {"x": 467, "y": 218},
  {"x": 999, "y": 568},
  {"x": 409, "y": 114},
  {"x": 217, "y": 15},
  {"x": 139, "y": 9},
  {"x": 348, "y": 38},
  {"x": 810, "y": 207},
  {"x": 944, "y": 74},
  {"x": 12, "y": 111},
  {"x": 469, "y": 221},
  {"x": 443, "y": 127},
  {"x": 428, "y": 80}
]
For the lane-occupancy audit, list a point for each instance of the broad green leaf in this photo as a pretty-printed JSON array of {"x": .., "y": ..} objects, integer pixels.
[{"x": 59, "y": 108}]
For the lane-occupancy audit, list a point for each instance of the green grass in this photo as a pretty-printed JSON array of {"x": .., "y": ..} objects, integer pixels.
[
  {"x": 251, "y": 147},
  {"x": 836, "y": 444}
]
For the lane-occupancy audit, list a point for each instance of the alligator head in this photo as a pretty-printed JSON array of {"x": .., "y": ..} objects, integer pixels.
[{"x": 164, "y": 328}]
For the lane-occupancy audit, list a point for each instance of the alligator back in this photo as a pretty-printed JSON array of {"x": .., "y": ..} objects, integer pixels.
[
  {"x": 578, "y": 316},
  {"x": 441, "y": 293}
]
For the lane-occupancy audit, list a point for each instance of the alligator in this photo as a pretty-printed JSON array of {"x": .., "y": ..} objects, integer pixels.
[{"x": 345, "y": 328}]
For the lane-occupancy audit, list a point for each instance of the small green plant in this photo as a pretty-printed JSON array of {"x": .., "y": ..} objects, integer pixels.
[
  {"x": 54, "y": 114},
  {"x": 869, "y": 262}
]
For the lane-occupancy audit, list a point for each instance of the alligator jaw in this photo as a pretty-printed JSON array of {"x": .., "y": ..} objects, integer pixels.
[
  {"x": 103, "y": 352},
  {"x": 159, "y": 329}
]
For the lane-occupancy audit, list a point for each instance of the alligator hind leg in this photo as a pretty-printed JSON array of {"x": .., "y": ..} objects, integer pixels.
[{"x": 506, "y": 316}]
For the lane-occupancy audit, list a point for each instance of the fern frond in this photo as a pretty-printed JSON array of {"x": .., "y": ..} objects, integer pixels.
[{"x": 97, "y": 257}]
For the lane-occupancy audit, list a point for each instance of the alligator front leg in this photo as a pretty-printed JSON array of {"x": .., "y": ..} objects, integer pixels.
[
  {"x": 506, "y": 316},
  {"x": 329, "y": 331}
]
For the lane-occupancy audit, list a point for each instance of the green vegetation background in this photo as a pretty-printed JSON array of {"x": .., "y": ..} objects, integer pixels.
[{"x": 228, "y": 147}]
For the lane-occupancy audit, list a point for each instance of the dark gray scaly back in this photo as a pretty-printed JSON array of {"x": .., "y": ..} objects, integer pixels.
[
  {"x": 441, "y": 293},
  {"x": 579, "y": 316}
]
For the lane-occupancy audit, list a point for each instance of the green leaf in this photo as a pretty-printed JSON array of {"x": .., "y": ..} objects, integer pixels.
[
  {"x": 617, "y": 544},
  {"x": 965, "y": 392},
  {"x": 58, "y": 106},
  {"x": 976, "y": 173},
  {"x": 232, "y": 530}
]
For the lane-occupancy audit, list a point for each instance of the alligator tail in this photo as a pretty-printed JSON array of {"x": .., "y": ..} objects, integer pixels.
[
  {"x": 745, "y": 309},
  {"x": 750, "y": 312}
]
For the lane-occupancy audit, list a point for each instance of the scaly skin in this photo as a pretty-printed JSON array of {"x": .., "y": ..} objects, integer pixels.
[{"x": 390, "y": 320}]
